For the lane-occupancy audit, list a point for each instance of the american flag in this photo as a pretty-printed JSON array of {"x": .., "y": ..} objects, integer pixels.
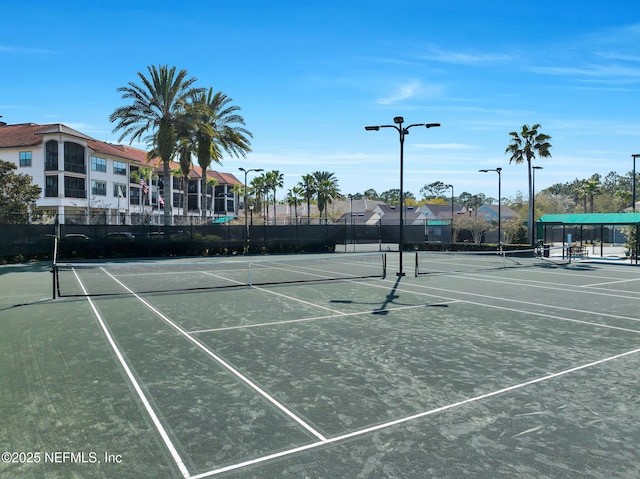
[
  {"x": 161, "y": 201},
  {"x": 143, "y": 183}
]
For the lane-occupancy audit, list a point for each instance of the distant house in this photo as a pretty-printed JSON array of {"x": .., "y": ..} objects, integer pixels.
[
  {"x": 390, "y": 215},
  {"x": 490, "y": 213},
  {"x": 440, "y": 212}
]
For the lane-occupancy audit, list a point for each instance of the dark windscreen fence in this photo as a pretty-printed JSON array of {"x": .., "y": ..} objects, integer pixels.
[
  {"x": 147, "y": 276},
  {"x": 434, "y": 262}
]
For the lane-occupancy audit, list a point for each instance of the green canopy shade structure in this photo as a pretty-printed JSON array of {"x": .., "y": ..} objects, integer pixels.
[{"x": 588, "y": 219}]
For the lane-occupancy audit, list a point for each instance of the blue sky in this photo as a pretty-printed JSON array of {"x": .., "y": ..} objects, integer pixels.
[{"x": 309, "y": 75}]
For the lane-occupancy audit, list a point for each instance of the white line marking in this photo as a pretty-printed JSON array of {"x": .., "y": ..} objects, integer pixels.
[
  {"x": 528, "y": 303},
  {"x": 223, "y": 363},
  {"x": 378, "y": 427},
  {"x": 141, "y": 395},
  {"x": 316, "y": 318},
  {"x": 609, "y": 282}
]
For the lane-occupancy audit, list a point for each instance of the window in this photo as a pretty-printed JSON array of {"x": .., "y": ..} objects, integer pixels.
[
  {"x": 25, "y": 158},
  {"x": 74, "y": 158},
  {"x": 119, "y": 168},
  {"x": 98, "y": 188},
  {"x": 74, "y": 187},
  {"x": 51, "y": 186},
  {"x": 98, "y": 164},
  {"x": 51, "y": 158},
  {"x": 135, "y": 196},
  {"x": 122, "y": 190}
]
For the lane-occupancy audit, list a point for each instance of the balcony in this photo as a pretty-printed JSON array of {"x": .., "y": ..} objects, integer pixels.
[{"x": 75, "y": 168}]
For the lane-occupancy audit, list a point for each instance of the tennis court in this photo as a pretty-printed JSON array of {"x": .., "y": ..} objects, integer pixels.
[{"x": 523, "y": 371}]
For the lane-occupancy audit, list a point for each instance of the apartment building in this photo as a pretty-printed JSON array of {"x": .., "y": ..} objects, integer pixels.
[{"x": 85, "y": 180}]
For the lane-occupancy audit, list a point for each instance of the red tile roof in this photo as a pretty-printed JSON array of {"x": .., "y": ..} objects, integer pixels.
[{"x": 31, "y": 134}]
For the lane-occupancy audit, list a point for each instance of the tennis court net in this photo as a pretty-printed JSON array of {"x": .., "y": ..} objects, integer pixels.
[
  {"x": 443, "y": 262},
  {"x": 146, "y": 276}
]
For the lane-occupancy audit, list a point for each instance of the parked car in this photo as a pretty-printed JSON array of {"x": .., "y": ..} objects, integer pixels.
[
  {"x": 121, "y": 235},
  {"x": 76, "y": 237}
]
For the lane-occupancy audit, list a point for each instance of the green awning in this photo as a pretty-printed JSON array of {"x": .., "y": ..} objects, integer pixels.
[
  {"x": 591, "y": 219},
  {"x": 223, "y": 219}
]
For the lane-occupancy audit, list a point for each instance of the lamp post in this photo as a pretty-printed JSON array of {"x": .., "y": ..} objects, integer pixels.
[
  {"x": 398, "y": 120},
  {"x": 246, "y": 172},
  {"x": 452, "y": 212},
  {"x": 633, "y": 190},
  {"x": 633, "y": 198},
  {"x": 499, "y": 171},
  {"x": 533, "y": 194}
]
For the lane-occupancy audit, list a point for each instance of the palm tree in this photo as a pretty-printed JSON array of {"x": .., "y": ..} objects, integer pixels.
[
  {"x": 293, "y": 196},
  {"x": 220, "y": 129},
  {"x": 588, "y": 191},
  {"x": 185, "y": 151},
  {"x": 160, "y": 105},
  {"x": 275, "y": 180},
  {"x": 308, "y": 186},
  {"x": 326, "y": 189},
  {"x": 258, "y": 185},
  {"x": 525, "y": 146}
]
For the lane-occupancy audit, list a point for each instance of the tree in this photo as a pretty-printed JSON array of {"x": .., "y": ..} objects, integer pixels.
[
  {"x": 160, "y": 106},
  {"x": 308, "y": 186},
  {"x": 294, "y": 195},
  {"x": 476, "y": 225},
  {"x": 18, "y": 194},
  {"x": 258, "y": 186},
  {"x": 589, "y": 189},
  {"x": 220, "y": 129},
  {"x": 371, "y": 194},
  {"x": 326, "y": 185},
  {"x": 525, "y": 146},
  {"x": 274, "y": 180},
  {"x": 437, "y": 189}
]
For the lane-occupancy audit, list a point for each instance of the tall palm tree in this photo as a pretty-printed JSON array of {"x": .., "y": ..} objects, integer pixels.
[
  {"x": 326, "y": 189},
  {"x": 293, "y": 196},
  {"x": 159, "y": 107},
  {"x": 258, "y": 185},
  {"x": 308, "y": 186},
  {"x": 185, "y": 152},
  {"x": 588, "y": 191},
  {"x": 525, "y": 146},
  {"x": 275, "y": 180},
  {"x": 221, "y": 129}
]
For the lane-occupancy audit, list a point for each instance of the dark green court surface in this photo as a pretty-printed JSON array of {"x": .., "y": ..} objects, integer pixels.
[{"x": 518, "y": 372}]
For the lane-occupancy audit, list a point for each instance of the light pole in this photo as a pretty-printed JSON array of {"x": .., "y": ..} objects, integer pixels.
[
  {"x": 533, "y": 195},
  {"x": 633, "y": 190},
  {"x": 452, "y": 212},
  {"x": 633, "y": 198},
  {"x": 398, "y": 120},
  {"x": 499, "y": 171},
  {"x": 246, "y": 172}
]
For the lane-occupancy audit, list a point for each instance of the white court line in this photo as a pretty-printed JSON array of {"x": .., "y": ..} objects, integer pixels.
[
  {"x": 222, "y": 362},
  {"x": 610, "y": 282},
  {"x": 161, "y": 430},
  {"x": 573, "y": 288},
  {"x": 396, "y": 422},
  {"x": 317, "y": 318},
  {"x": 528, "y": 303}
]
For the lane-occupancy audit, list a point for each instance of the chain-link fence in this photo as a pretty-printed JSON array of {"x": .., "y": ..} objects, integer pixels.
[{"x": 133, "y": 240}]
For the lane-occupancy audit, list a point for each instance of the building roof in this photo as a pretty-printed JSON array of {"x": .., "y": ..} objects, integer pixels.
[{"x": 31, "y": 134}]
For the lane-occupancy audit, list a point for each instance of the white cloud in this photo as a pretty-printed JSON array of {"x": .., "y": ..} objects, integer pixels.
[
  {"x": 408, "y": 90},
  {"x": 464, "y": 58}
]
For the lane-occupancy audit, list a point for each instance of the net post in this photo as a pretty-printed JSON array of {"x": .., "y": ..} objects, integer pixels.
[
  {"x": 384, "y": 265},
  {"x": 54, "y": 268},
  {"x": 416, "y": 271}
]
